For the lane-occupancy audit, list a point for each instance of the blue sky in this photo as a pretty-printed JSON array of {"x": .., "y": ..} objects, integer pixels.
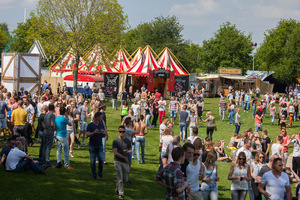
[{"x": 201, "y": 18}]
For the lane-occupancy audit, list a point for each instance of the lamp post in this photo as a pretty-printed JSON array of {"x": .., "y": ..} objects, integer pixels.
[{"x": 253, "y": 45}]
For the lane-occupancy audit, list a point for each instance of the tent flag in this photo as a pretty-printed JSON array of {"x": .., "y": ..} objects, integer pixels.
[
  {"x": 171, "y": 82},
  {"x": 150, "y": 86},
  {"x": 167, "y": 61}
]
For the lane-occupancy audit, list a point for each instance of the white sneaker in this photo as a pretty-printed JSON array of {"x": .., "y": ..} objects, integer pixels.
[
  {"x": 132, "y": 157},
  {"x": 83, "y": 143}
]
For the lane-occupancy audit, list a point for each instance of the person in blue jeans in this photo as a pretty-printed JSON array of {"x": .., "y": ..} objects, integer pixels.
[
  {"x": 96, "y": 131},
  {"x": 86, "y": 91},
  {"x": 183, "y": 119},
  {"x": 231, "y": 113},
  {"x": 62, "y": 141},
  {"x": 253, "y": 104},
  {"x": 140, "y": 140},
  {"x": 17, "y": 160},
  {"x": 237, "y": 121},
  {"x": 247, "y": 99}
]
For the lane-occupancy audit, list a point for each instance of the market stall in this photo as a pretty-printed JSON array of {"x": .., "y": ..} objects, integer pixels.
[{"x": 216, "y": 83}]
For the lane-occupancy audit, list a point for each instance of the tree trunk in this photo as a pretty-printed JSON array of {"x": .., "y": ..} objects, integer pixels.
[{"x": 75, "y": 72}]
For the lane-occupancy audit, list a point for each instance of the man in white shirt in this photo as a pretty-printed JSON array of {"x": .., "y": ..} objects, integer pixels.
[
  {"x": 277, "y": 183},
  {"x": 17, "y": 160},
  {"x": 161, "y": 110},
  {"x": 136, "y": 108}
]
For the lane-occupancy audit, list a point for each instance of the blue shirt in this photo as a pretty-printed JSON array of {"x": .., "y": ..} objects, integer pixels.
[
  {"x": 45, "y": 86},
  {"x": 95, "y": 140},
  {"x": 86, "y": 88},
  {"x": 61, "y": 126}
]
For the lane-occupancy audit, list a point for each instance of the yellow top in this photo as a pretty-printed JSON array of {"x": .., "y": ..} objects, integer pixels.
[{"x": 19, "y": 116}]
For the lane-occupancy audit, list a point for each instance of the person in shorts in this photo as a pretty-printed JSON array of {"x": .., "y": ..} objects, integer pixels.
[
  {"x": 84, "y": 114},
  {"x": 173, "y": 108}
]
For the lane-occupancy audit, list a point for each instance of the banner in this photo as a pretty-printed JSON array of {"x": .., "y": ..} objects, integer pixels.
[
  {"x": 181, "y": 83},
  {"x": 171, "y": 82},
  {"x": 111, "y": 81},
  {"x": 150, "y": 86}
]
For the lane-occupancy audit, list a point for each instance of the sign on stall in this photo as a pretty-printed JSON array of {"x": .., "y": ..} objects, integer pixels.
[{"x": 230, "y": 71}]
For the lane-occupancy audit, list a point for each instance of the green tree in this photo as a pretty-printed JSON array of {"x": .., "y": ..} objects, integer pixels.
[
  {"x": 3, "y": 39},
  {"x": 159, "y": 33},
  {"x": 22, "y": 37},
  {"x": 280, "y": 51},
  {"x": 80, "y": 24},
  {"x": 229, "y": 47},
  {"x": 194, "y": 53}
]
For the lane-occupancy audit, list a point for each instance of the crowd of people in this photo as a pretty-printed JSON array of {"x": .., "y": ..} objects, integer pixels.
[{"x": 257, "y": 164}]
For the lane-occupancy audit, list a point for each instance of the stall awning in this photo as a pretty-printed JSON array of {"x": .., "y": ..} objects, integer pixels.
[
  {"x": 234, "y": 77},
  {"x": 207, "y": 77}
]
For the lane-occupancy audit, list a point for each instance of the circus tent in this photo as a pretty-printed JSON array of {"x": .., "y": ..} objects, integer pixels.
[
  {"x": 121, "y": 62},
  {"x": 145, "y": 63},
  {"x": 67, "y": 64},
  {"x": 167, "y": 61},
  {"x": 137, "y": 55},
  {"x": 97, "y": 62}
]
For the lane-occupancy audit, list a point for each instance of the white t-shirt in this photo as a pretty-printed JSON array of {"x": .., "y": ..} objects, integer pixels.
[
  {"x": 275, "y": 186},
  {"x": 193, "y": 138},
  {"x": 161, "y": 128},
  {"x": 13, "y": 158},
  {"x": 135, "y": 109},
  {"x": 192, "y": 173},
  {"x": 165, "y": 140},
  {"x": 30, "y": 110},
  {"x": 39, "y": 108},
  {"x": 247, "y": 152},
  {"x": 162, "y": 105}
]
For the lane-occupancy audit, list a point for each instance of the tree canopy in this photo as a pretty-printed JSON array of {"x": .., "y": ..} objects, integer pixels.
[
  {"x": 229, "y": 47},
  {"x": 280, "y": 51},
  {"x": 80, "y": 24}
]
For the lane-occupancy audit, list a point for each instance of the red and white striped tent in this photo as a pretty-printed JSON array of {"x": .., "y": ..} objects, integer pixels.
[
  {"x": 121, "y": 62},
  {"x": 166, "y": 61},
  {"x": 67, "y": 63},
  {"x": 146, "y": 62},
  {"x": 97, "y": 62},
  {"x": 137, "y": 56}
]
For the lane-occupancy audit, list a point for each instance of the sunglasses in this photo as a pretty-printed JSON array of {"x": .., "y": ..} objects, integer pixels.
[
  {"x": 242, "y": 158},
  {"x": 196, "y": 154},
  {"x": 121, "y": 131},
  {"x": 260, "y": 157}
]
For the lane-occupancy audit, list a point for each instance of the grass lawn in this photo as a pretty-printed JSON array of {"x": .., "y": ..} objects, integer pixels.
[{"x": 78, "y": 184}]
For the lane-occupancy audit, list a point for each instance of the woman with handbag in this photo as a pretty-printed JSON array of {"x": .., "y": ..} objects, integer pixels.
[{"x": 209, "y": 186}]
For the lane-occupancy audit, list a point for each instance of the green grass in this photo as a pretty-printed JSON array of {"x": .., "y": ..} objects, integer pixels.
[{"x": 78, "y": 183}]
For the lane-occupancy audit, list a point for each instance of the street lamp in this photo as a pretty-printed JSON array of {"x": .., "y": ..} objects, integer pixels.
[{"x": 253, "y": 45}]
